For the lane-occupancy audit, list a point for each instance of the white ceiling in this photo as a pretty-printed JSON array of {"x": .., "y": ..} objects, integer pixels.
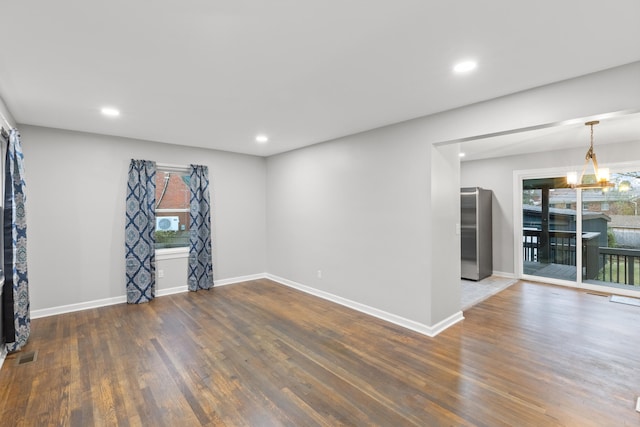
[
  {"x": 612, "y": 129},
  {"x": 216, "y": 73}
]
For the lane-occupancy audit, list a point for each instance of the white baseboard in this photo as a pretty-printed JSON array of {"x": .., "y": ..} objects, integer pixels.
[
  {"x": 240, "y": 279},
  {"x": 430, "y": 331},
  {"x": 35, "y": 314},
  {"x": 605, "y": 289},
  {"x": 69, "y": 308},
  {"x": 171, "y": 291},
  {"x": 504, "y": 274}
]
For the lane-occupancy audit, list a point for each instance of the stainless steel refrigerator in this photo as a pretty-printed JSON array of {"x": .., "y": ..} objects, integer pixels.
[{"x": 476, "y": 248}]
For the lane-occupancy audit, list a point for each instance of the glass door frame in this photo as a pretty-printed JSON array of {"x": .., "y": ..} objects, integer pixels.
[{"x": 519, "y": 176}]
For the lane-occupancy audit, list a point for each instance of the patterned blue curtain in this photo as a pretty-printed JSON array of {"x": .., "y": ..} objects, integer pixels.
[
  {"x": 140, "y": 240},
  {"x": 200, "y": 261},
  {"x": 15, "y": 295}
]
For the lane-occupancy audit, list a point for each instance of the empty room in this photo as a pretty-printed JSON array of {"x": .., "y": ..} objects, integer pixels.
[{"x": 365, "y": 213}]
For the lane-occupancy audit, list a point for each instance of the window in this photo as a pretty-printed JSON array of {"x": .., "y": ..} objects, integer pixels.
[{"x": 172, "y": 207}]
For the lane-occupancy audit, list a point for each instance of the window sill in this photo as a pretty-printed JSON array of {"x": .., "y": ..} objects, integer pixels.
[{"x": 172, "y": 253}]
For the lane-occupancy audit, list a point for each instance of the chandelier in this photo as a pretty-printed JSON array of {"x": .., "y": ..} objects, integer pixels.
[{"x": 601, "y": 174}]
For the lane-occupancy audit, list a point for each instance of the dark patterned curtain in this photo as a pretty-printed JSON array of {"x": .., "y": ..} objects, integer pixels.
[
  {"x": 200, "y": 260},
  {"x": 15, "y": 295},
  {"x": 140, "y": 226}
]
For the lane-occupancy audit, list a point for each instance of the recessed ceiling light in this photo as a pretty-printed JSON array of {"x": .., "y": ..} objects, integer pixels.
[
  {"x": 262, "y": 139},
  {"x": 461, "y": 154},
  {"x": 465, "y": 66},
  {"x": 111, "y": 112}
]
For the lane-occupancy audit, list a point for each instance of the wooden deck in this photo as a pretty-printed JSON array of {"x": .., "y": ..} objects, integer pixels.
[
  {"x": 258, "y": 353},
  {"x": 556, "y": 271}
]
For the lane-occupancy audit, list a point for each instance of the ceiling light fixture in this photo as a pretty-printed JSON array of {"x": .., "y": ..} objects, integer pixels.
[
  {"x": 111, "y": 112},
  {"x": 262, "y": 139},
  {"x": 465, "y": 66},
  {"x": 601, "y": 175}
]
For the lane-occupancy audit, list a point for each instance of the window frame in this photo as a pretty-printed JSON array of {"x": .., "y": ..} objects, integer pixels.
[{"x": 183, "y": 251}]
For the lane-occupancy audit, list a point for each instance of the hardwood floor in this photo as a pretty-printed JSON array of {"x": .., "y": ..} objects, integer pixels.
[{"x": 261, "y": 354}]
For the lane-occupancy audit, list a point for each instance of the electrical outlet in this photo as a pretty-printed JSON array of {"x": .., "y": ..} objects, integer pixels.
[
  {"x": 160, "y": 273},
  {"x": 319, "y": 274}
]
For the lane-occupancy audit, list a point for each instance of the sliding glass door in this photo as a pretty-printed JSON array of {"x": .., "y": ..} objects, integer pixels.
[
  {"x": 549, "y": 228},
  {"x": 595, "y": 231},
  {"x": 611, "y": 233}
]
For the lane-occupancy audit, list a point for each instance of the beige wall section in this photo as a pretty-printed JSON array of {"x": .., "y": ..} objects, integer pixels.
[{"x": 76, "y": 185}]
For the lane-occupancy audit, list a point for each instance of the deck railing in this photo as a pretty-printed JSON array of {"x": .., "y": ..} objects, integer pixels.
[
  {"x": 562, "y": 245},
  {"x": 615, "y": 265},
  {"x": 620, "y": 266}
]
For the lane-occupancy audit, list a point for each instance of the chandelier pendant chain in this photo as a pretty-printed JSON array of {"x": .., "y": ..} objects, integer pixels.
[
  {"x": 601, "y": 175},
  {"x": 591, "y": 155}
]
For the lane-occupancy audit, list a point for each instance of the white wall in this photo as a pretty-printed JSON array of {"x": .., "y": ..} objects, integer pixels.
[
  {"x": 497, "y": 175},
  {"x": 6, "y": 116},
  {"x": 444, "y": 236},
  {"x": 76, "y": 186},
  {"x": 356, "y": 209},
  {"x": 371, "y": 210}
]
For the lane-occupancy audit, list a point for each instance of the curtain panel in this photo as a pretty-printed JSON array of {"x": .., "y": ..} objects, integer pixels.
[
  {"x": 200, "y": 275},
  {"x": 140, "y": 250},
  {"x": 15, "y": 295}
]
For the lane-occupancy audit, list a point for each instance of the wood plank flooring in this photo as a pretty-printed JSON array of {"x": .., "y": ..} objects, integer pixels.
[{"x": 261, "y": 354}]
